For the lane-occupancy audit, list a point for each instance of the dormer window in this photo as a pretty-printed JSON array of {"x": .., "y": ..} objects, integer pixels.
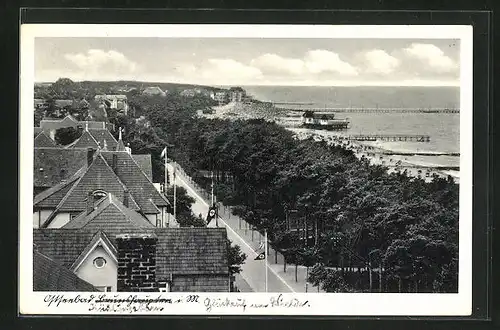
[{"x": 98, "y": 195}]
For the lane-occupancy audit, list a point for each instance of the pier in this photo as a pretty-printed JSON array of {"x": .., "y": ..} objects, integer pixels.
[
  {"x": 372, "y": 110},
  {"x": 390, "y": 138}
]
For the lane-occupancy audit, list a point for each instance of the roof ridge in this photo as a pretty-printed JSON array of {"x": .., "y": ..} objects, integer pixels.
[
  {"x": 150, "y": 181},
  {"x": 52, "y": 190},
  {"x": 100, "y": 207}
]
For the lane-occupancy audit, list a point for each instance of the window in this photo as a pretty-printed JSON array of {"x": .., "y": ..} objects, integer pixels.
[
  {"x": 98, "y": 195},
  {"x": 99, "y": 262},
  {"x": 104, "y": 288},
  {"x": 164, "y": 286}
]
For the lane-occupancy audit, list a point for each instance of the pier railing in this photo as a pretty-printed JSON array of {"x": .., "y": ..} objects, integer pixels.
[
  {"x": 391, "y": 138},
  {"x": 371, "y": 110}
]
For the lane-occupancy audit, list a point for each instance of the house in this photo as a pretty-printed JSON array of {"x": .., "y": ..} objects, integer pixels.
[
  {"x": 323, "y": 120},
  {"x": 49, "y": 275},
  {"x": 168, "y": 259},
  {"x": 61, "y": 104},
  {"x": 50, "y": 125},
  {"x": 40, "y": 104},
  {"x": 153, "y": 91},
  {"x": 221, "y": 96},
  {"x": 237, "y": 94},
  {"x": 43, "y": 141},
  {"x": 95, "y": 138},
  {"x": 104, "y": 172},
  {"x": 116, "y": 101},
  {"x": 188, "y": 93}
]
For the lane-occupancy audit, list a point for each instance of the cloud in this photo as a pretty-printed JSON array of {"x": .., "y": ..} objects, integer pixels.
[
  {"x": 227, "y": 71},
  {"x": 320, "y": 60},
  {"x": 380, "y": 62},
  {"x": 314, "y": 62},
  {"x": 431, "y": 55},
  {"x": 273, "y": 62},
  {"x": 97, "y": 60}
]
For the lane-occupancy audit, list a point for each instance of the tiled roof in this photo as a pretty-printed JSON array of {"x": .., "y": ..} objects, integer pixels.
[
  {"x": 101, "y": 134},
  {"x": 110, "y": 213},
  {"x": 53, "y": 165},
  {"x": 49, "y": 275},
  {"x": 179, "y": 250},
  {"x": 94, "y": 137},
  {"x": 37, "y": 131},
  {"x": 50, "y": 124},
  {"x": 51, "y": 197},
  {"x": 137, "y": 182},
  {"x": 98, "y": 176},
  {"x": 191, "y": 251},
  {"x": 144, "y": 162},
  {"x": 42, "y": 140}
]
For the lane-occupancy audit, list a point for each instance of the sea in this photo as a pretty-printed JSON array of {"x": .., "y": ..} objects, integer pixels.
[{"x": 443, "y": 128}]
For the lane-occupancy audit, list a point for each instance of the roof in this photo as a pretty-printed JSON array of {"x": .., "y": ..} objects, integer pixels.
[
  {"x": 53, "y": 165},
  {"x": 98, "y": 176},
  {"x": 49, "y": 275},
  {"x": 42, "y": 140},
  {"x": 110, "y": 213},
  {"x": 51, "y": 197},
  {"x": 179, "y": 250},
  {"x": 315, "y": 115},
  {"x": 63, "y": 103},
  {"x": 111, "y": 96},
  {"x": 138, "y": 183},
  {"x": 94, "y": 137},
  {"x": 36, "y": 131},
  {"x": 144, "y": 162}
]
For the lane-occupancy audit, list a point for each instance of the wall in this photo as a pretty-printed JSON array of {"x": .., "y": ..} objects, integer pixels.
[
  {"x": 60, "y": 220},
  {"x": 200, "y": 283},
  {"x": 105, "y": 276},
  {"x": 136, "y": 263},
  {"x": 40, "y": 216},
  {"x": 151, "y": 218}
]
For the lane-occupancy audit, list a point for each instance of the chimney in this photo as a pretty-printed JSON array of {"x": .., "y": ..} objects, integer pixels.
[
  {"x": 126, "y": 196},
  {"x": 90, "y": 203},
  {"x": 114, "y": 164},
  {"x": 90, "y": 156},
  {"x": 136, "y": 263}
]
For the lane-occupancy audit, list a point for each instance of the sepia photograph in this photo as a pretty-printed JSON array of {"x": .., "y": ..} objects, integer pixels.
[{"x": 279, "y": 162}]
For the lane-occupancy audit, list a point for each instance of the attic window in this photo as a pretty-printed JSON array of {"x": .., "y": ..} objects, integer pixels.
[
  {"x": 98, "y": 195},
  {"x": 99, "y": 262},
  {"x": 41, "y": 169}
]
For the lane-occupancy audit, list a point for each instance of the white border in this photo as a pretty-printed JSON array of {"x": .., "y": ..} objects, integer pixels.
[{"x": 320, "y": 304}]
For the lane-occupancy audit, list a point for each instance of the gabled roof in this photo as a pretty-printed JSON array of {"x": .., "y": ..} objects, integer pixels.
[
  {"x": 94, "y": 137},
  {"x": 144, "y": 162},
  {"x": 98, "y": 176},
  {"x": 109, "y": 213},
  {"x": 49, "y": 275},
  {"x": 42, "y": 140},
  {"x": 179, "y": 250},
  {"x": 51, "y": 197},
  {"x": 68, "y": 121},
  {"x": 99, "y": 239},
  {"x": 137, "y": 182},
  {"x": 53, "y": 165}
]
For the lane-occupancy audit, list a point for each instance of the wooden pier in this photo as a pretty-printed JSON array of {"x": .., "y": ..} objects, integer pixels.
[
  {"x": 390, "y": 138},
  {"x": 372, "y": 110}
]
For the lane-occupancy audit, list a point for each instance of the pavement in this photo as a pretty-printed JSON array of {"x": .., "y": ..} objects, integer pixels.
[{"x": 253, "y": 275}]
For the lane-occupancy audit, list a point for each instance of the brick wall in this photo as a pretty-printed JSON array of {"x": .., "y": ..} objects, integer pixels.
[
  {"x": 136, "y": 263},
  {"x": 200, "y": 283}
]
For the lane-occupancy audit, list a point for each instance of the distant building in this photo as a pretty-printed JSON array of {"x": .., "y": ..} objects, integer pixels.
[
  {"x": 50, "y": 125},
  {"x": 153, "y": 91},
  {"x": 118, "y": 102},
  {"x": 40, "y": 104},
  {"x": 237, "y": 94},
  {"x": 221, "y": 96}
]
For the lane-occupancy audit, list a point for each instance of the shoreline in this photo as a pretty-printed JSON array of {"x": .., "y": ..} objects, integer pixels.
[{"x": 377, "y": 155}]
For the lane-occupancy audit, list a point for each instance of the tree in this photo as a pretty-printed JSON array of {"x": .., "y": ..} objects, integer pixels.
[
  {"x": 235, "y": 258},
  {"x": 185, "y": 216},
  {"x": 67, "y": 135}
]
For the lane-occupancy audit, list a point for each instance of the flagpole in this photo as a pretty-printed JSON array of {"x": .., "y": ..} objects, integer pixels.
[
  {"x": 165, "y": 184},
  {"x": 175, "y": 196},
  {"x": 265, "y": 252}
]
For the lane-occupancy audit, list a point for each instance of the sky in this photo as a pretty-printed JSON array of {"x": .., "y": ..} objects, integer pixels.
[{"x": 251, "y": 61}]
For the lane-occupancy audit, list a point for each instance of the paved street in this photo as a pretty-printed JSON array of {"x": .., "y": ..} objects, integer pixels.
[{"x": 253, "y": 271}]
